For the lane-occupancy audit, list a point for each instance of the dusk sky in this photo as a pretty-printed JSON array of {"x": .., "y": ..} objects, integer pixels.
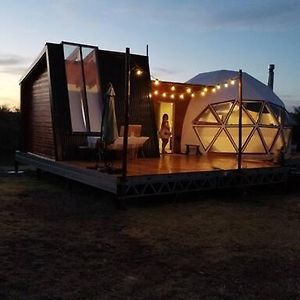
[{"x": 185, "y": 37}]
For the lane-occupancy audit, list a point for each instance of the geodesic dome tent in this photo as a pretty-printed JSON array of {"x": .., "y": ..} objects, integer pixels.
[{"x": 212, "y": 120}]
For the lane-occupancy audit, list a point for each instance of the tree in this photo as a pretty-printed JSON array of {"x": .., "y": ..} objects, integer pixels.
[
  {"x": 9, "y": 132},
  {"x": 296, "y": 114}
]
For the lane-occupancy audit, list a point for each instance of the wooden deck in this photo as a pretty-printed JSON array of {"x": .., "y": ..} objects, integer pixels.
[
  {"x": 165, "y": 175},
  {"x": 181, "y": 163}
]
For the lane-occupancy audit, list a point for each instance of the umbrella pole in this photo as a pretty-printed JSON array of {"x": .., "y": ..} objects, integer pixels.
[
  {"x": 126, "y": 117},
  {"x": 240, "y": 118}
]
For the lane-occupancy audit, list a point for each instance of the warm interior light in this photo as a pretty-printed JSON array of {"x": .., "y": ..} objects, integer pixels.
[
  {"x": 150, "y": 95},
  {"x": 232, "y": 82},
  {"x": 173, "y": 88},
  {"x": 181, "y": 96},
  {"x": 155, "y": 92},
  {"x": 226, "y": 85},
  {"x": 205, "y": 89},
  {"x": 172, "y": 96},
  {"x": 218, "y": 86},
  {"x": 202, "y": 93},
  {"x": 156, "y": 82},
  {"x": 189, "y": 90},
  {"x": 139, "y": 72},
  {"x": 214, "y": 90},
  {"x": 193, "y": 95},
  {"x": 164, "y": 94}
]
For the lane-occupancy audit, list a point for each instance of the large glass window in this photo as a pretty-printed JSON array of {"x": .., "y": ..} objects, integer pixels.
[{"x": 84, "y": 91}]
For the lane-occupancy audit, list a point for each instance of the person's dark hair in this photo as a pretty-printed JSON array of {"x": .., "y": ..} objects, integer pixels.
[{"x": 165, "y": 115}]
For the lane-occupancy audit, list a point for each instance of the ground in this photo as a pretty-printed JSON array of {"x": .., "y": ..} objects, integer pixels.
[{"x": 60, "y": 241}]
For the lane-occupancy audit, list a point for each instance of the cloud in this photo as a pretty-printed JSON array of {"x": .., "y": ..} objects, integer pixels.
[
  {"x": 207, "y": 15},
  {"x": 273, "y": 14},
  {"x": 290, "y": 101},
  {"x": 13, "y": 70},
  {"x": 165, "y": 71},
  {"x": 13, "y": 64},
  {"x": 12, "y": 60}
]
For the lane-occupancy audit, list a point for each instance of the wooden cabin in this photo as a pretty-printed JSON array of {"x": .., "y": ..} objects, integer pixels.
[{"x": 62, "y": 99}]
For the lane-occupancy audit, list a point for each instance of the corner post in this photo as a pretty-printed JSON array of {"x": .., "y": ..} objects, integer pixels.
[
  {"x": 126, "y": 117},
  {"x": 240, "y": 118}
]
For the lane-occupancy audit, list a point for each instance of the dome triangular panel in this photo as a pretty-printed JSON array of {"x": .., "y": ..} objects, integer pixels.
[
  {"x": 206, "y": 134},
  {"x": 233, "y": 118},
  {"x": 255, "y": 144},
  {"x": 206, "y": 118},
  {"x": 268, "y": 135},
  {"x": 223, "y": 144}
]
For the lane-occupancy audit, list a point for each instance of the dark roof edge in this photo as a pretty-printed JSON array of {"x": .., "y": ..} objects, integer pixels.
[
  {"x": 35, "y": 62},
  {"x": 44, "y": 50}
]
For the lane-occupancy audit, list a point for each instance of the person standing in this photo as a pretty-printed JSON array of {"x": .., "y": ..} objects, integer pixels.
[{"x": 165, "y": 132}]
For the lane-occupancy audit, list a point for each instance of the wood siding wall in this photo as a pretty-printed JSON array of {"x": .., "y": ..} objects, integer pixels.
[{"x": 38, "y": 120}]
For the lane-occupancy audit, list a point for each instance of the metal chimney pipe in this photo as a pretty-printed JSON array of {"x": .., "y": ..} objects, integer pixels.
[{"x": 271, "y": 76}]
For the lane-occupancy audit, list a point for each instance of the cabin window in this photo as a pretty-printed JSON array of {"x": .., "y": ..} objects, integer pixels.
[{"x": 84, "y": 91}]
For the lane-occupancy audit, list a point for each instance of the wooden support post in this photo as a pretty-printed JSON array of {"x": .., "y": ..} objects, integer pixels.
[
  {"x": 126, "y": 117},
  {"x": 240, "y": 119}
]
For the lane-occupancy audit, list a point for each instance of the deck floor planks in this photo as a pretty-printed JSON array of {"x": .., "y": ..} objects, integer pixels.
[{"x": 180, "y": 163}]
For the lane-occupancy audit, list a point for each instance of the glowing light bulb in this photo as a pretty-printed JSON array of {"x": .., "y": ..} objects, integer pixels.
[
  {"x": 202, "y": 93},
  {"x": 181, "y": 96},
  {"x": 156, "y": 82},
  {"x": 205, "y": 89},
  {"x": 189, "y": 90},
  {"x": 173, "y": 88},
  {"x": 226, "y": 85},
  {"x": 214, "y": 90},
  {"x": 155, "y": 92},
  {"x": 172, "y": 96},
  {"x": 192, "y": 95},
  {"x": 218, "y": 86},
  {"x": 139, "y": 72},
  {"x": 164, "y": 95},
  {"x": 232, "y": 82},
  {"x": 150, "y": 95}
]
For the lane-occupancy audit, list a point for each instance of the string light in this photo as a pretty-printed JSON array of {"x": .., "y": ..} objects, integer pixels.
[
  {"x": 188, "y": 90},
  {"x": 150, "y": 95},
  {"x": 139, "y": 72}
]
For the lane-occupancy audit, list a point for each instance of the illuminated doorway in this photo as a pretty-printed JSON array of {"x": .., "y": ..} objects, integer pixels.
[{"x": 166, "y": 108}]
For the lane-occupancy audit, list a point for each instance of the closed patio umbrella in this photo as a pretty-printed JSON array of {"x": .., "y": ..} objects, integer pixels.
[{"x": 109, "y": 120}]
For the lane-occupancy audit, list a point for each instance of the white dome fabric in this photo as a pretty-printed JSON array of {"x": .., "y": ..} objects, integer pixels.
[{"x": 253, "y": 91}]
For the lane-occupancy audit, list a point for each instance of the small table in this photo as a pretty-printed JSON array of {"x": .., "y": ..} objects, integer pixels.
[
  {"x": 188, "y": 146},
  {"x": 134, "y": 144}
]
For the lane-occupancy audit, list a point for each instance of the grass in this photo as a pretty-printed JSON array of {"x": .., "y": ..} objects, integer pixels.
[{"x": 57, "y": 243}]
